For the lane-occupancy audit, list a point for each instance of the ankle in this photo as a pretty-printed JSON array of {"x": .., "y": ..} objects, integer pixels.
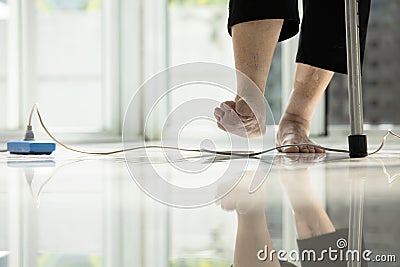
[{"x": 295, "y": 120}]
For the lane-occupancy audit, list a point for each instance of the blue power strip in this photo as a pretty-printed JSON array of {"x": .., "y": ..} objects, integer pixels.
[{"x": 30, "y": 147}]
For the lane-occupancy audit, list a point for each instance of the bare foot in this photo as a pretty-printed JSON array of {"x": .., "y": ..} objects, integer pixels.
[
  {"x": 245, "y": 118},
  {"x": 240, "y": 199},
  {"x": 295, "y": 130}
]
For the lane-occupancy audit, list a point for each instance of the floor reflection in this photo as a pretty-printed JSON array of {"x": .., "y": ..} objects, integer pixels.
[
  {"x": 89, "y": 212},
  {"x": 313, "y": 184}
]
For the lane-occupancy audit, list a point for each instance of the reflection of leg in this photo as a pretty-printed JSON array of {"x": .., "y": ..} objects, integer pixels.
[
  {"x": 254, "y": 43},
  {"x": 310, "y": 216},
  {"x": 315, "y": 230},
  {"x": 294, "y": 127},
  {"x": 252, "y": 235}
]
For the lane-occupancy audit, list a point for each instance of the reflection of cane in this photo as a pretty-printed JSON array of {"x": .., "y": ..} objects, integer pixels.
[
  {"x": 356, "y": 213},
  {"x": 357, "y": 139}
]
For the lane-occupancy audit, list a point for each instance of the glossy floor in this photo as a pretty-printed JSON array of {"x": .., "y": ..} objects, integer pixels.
[{"x": 68, "y": 210}]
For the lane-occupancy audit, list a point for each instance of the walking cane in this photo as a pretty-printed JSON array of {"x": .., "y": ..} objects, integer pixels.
[{"x": 357, "y": 139}]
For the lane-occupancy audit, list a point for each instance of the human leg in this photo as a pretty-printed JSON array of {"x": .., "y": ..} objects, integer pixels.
[
  {"x": 254, "y": 43},
  {"x": 256, "y": 26},
  {"x": 294, "y": 127},
  {"x": 321, "y": 52}
]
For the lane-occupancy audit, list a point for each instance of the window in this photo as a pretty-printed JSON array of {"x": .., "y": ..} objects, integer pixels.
[
  {"x": 4, "y": 31},
  {"x": 380, "y": 71},
  {"x": 68, "y": 63},
  {"x": 197, "y": 32},
  {"x": 63, "y": 54}
]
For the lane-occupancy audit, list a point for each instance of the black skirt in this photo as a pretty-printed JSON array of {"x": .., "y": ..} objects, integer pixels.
[{"x": 322, "y": 41}]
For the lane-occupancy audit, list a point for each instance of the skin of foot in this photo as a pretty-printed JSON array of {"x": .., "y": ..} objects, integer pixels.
[
  {"x": 237, "y": 117},
  {"x": 295, "y": 130},
  {"x": 239, "y": 199},
  {"x": 243, "y": 117}
]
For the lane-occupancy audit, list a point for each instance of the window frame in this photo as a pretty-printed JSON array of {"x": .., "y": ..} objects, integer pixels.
[{"x": 120, "y": 78}]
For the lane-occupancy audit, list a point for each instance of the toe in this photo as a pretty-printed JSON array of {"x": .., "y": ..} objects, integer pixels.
[
  {"x": 311, "y": 149},
  {"x": 318, "y": 149},
  {"x": 221, "y": 126},
  {"x": 226, "y": 107},
  {"x": 243, "y": 108},
  {"x": 290, "y": 149},
  {"x": 218, "y": 113},
  {"x": 304, "y": 149},
  {"x": 231, "y": 104},
  {"x": 289, "y": 144}
]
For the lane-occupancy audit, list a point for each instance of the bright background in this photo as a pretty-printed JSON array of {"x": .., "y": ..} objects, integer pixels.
[{"x": 82, "y": 60}]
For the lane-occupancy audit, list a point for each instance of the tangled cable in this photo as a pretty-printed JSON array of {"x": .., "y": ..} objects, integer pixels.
[{"x": 225, "y": 153}]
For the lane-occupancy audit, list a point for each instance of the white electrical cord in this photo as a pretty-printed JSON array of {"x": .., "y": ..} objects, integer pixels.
[{"x": 226, "y": 153}]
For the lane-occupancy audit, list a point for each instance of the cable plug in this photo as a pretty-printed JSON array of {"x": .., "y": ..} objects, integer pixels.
[
  {"x": 29, "y": 146},
  {"x": 29, "y": 135}
]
